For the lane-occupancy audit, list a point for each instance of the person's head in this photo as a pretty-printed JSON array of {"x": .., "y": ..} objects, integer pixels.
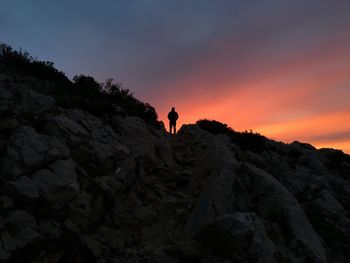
[{"x": 173, "y": 109}]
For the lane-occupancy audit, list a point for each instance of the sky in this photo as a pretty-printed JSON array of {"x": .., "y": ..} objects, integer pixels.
[{"x": 277, "y": 67}]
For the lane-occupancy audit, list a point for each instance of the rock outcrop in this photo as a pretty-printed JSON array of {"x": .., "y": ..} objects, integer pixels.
[{"x": 79, "y": 188}]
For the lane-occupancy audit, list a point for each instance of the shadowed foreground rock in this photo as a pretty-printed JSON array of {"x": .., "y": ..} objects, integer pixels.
[{"x": 78, "y": 188}]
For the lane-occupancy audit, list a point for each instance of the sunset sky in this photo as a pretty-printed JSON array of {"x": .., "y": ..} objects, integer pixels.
[{"x": 281, "y": 68}]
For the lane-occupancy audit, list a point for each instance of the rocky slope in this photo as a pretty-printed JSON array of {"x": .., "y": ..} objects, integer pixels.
[{"x": 78, "y": 188}]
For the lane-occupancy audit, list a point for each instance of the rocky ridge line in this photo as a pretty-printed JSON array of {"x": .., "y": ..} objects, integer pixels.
[{"x": 78, "y": 188}]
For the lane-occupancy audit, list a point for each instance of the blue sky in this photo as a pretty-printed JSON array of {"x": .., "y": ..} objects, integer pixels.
[{"x": 194, "y": 53}]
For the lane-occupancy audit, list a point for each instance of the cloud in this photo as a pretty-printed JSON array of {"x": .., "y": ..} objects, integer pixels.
[
  {"x": 337, "y": 136},
  {"x": 275, "y": 66}
]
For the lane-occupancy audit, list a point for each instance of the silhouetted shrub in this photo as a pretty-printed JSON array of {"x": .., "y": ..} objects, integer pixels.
[
  {"x": 115, "y": 89},
  {"x": 26, "y": 64},
  {"x": 247, "y": 140},
  {"x": 83, "y": 93},
  {"x": 214, "y": 127},
  {"x": 101, "y": 98},
  {"x": 115, "y": 93},
  {"x": 86, "y": 86}
]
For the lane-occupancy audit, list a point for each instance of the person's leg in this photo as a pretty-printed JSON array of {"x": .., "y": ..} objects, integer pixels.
[
  {"x": 174, "y": 128},
  {"x": 170, "y": 127}
]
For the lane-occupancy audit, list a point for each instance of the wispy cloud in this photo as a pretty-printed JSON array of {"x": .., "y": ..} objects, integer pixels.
[{"x": 279, "y": 67}]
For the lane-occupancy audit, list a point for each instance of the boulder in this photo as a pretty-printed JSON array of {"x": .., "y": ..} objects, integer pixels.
[
  {"x": 4, "y": 255},
  {"x": 26, "y": 236},
  {"x": 49, "y": 229},
  {"x": 107, "y": 149},
  {"x": 6, "y": 202},
  {"x": 275, "y": 203},
  {"x": 34, "y": 104},
  {"x": 135, "y": 135},
  {"x": 23, "y": 228},
  {"x": 25, "y": 152},
  {"x": 8, "y": 242},
  {"x": 212, "y": 179},
  {"x": 330, "y": 220},
  {"x": 240, "y": 237},
  {"x": 63, "y": 125},
  {"x": 9, "y": 123},
  {"x": 28, "y": 151},
  {"x": 58, "y": 184},
  {"x": 23, "y": 189}
]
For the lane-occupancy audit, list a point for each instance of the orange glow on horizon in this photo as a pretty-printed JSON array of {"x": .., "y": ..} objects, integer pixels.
[{"x": 302, "y": 100}]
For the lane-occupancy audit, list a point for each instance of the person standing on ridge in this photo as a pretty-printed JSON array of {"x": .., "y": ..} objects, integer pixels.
[{"x": 173, "y": 116}]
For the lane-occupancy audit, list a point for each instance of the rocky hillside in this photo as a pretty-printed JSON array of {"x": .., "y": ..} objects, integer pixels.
[{"x": 79, "y": 188}]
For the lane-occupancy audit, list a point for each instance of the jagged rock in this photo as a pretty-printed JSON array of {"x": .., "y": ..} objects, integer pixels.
[
  {"x": 28, "y": 151},
  {"x": 5, "y": 94},
  {"x": 94, "y": 144},
  {"x": 135, "y": 135},
  {"x": 62, "y": 125},
  {"x": 20, "y": 218},
  {"x": 9, "y": 123},
  {"x": 58, "y": 184},
  {"x": 342, "y": 191},
  {"x": 329, "y": 206},
  {"x": 107, "y": 149},
  {"x": 163, "y": 151},
  {"x": 213, "y": 179},
  {"x": 277, "y": 204},
  {"x": 159, "y": 256},
  {"x": 8, "y": 242},
  {"x": 240, "y": 236},
  {"x": 49, "y": 229},
  {"x": 4, "y": 255},
  {"x": 6, "y": 202},
  {"x": 57, "y": 150},
  {"x": 81, "y": 188},
  {"x": 33, "y": 103},
  {"x": 25, "y": 153},
  {"x": 23, "y": 227},
  {"x": 154, "y": 236},
  {"x": 24, "y": 188},
  {"x": 80, "y": 209},
  {"x": 26, "y": 236},
  {"x": 93, "y": 244},
  {"x": 115, "y": 239},
  {"x": 331, "y": 220}
]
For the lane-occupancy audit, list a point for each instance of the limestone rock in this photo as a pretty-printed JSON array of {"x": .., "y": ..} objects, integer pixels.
[
  {"x": 58, "y": 184},
  {"x": 77, "y": 187},
  {"x": 135, "y": 135},
  {"x": 240, "y": 236},
  {"x": 33, "y": 103},
  {"x": 29, "y": 150},
  {"x": 24, "y": 188},
  {"x": 8, "y": 242},
  {"x": 6, "y": 202}
]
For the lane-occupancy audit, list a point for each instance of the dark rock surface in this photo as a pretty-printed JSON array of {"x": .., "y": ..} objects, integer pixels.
[{"x": 78, "y": 188}]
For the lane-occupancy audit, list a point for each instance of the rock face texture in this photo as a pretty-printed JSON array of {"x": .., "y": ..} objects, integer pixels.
[{"x": 78, "y": 188}]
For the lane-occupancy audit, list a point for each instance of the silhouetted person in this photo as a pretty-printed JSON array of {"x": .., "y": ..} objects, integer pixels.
[{"x": 172, "y": 116}]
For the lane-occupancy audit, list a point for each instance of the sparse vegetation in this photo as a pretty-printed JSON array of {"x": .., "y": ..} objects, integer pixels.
[
  {"x": 214, "y": 127},
  {"x": 84, "y": 92},
  {"x": 25, "y": 64},
  {"x": 247, "y": 140}
]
